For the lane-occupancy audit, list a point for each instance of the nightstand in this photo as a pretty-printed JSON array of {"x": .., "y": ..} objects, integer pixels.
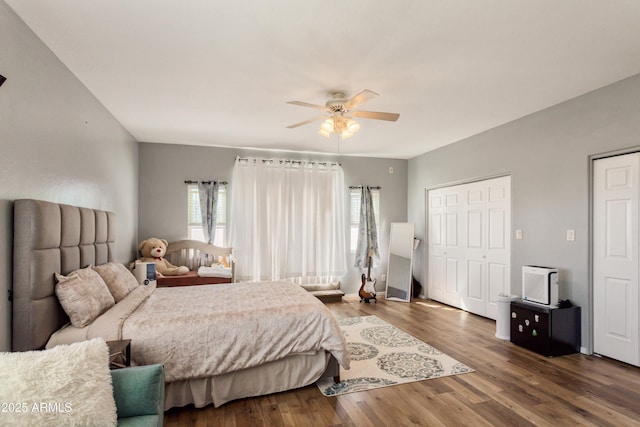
[
  {"x": 545, "y": 330},
  {"x": 119, "y": 353}
]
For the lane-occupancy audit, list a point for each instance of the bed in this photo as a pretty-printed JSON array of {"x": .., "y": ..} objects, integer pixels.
[
  {"x": 199, "y": 258},
  {"x": 55, "y": 238}
]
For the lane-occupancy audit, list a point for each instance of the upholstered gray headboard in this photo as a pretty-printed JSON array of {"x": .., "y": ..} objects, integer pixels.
[{"x": 48, "y": 238}]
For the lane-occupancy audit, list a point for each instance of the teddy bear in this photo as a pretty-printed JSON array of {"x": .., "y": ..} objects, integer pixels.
[{"x": 153, "y": 250}]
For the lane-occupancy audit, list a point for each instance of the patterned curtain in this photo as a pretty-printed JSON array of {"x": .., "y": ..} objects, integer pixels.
[
  {"x": 208, "y": 192},
  {"x": 367, "y": 231}
]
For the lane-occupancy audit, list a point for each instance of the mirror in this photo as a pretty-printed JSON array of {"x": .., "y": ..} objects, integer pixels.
[{"x": 399, "y": 273}]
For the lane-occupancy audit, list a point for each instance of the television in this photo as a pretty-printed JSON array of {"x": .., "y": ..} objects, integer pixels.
[{"x": 540, "y": 285}]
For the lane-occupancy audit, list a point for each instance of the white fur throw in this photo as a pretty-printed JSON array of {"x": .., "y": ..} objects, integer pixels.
[{"x": 67, "y": 385}]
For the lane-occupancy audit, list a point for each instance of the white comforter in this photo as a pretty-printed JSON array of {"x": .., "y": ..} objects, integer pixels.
[{"x": 200, "y": 331}]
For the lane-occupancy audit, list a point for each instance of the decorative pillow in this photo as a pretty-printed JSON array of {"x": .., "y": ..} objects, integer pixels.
[
  {"x": 68, "y": 385},
  {"x": 119, "y": 280},
  {"x": 83, "y": 296}
]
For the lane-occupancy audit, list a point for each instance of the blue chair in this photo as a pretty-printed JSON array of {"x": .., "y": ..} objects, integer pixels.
[{"x": 139, "y": 395}]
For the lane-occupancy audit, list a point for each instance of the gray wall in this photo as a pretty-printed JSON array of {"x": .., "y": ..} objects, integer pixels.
[
  {"x": 59, "y": 144},
  {"x": 163, "y": 195},
  {"x": 547, "y": 155}
]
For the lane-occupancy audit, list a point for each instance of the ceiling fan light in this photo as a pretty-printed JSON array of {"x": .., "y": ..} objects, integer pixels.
[
  {"x": 341, "y": 113},
  {"x": 327, "y": 126},
  {"x": 353, "y": 126},
  {"x": 346, "y": 134}
]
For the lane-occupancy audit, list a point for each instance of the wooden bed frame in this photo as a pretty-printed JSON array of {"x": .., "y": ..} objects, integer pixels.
[
  {"x": 50, "y": 238},
  {"x": 194, "y": 254}
]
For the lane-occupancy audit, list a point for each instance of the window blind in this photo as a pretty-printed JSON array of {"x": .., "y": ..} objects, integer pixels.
[
  {"x": 193, "y": 206},
  {"x": 355, "y": 205}
]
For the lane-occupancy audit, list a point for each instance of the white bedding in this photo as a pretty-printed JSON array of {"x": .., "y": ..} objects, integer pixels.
[
  {"x": 215, "y": 271},
  {"x": 68, "y": 334},
  {"x": 202, "y": 331}
]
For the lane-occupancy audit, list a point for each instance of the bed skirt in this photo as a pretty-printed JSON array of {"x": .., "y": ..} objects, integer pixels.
[{"x": 294, "y": 371}]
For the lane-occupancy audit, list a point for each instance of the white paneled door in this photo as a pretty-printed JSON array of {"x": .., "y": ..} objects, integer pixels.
[
  {"x": 616, "y": 190},
  {"x": 468, "y": 250}
]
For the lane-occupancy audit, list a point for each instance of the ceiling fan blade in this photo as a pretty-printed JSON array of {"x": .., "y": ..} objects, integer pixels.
[
  {"x": 306, "y": 104},
  {"x": 391, "y": 117},
  {"x": 360, "y": 98},
  {"x": 295, "y": 125}
]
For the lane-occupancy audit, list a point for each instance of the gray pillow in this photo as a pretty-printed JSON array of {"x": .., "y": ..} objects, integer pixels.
[
  {"x": 119, "y": 280},
  {"x": 83, "y": 296}
]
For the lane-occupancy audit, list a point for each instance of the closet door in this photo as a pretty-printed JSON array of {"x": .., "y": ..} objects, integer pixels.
[
  {"x": 444, "y": 265},
  {"x": 453, "y": 248},
  {"x": 435, "y": 245},
  {"x": 615, "y": 257},
  {"x": 498, "y": 251},
  {"x": 474, "y": 295},
  {"x": 468, "y": 244}
]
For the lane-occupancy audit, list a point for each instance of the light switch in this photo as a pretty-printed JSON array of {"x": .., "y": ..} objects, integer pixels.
[
  {"x": 571, "y": 235},
  {"x": 518, "y": 234}
]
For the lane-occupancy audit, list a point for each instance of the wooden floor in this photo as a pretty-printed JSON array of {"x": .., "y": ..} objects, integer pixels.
[{"x": 511, "y": 386}]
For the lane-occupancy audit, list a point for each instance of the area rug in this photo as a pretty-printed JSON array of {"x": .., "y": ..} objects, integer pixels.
[{"x": 383, "y": 355}]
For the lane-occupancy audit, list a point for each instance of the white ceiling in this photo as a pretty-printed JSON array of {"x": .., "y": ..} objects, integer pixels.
[{"x": 210, "y": 72}]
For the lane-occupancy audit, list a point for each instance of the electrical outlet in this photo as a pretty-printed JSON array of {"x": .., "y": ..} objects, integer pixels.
[
  {"x": 384, "y": 277},
  {"x": 391, "y": 170},
  {"x": 571, "y": 235}
]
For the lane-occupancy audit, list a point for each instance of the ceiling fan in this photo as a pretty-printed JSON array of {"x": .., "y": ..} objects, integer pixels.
[{"x": 342, "y": 112}]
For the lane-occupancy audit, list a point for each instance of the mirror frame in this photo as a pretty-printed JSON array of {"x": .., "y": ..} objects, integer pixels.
[{"x": 401, "y": 244}]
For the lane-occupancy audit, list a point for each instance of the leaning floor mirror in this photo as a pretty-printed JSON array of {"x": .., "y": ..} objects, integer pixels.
[{"x": 399, "y": 274}]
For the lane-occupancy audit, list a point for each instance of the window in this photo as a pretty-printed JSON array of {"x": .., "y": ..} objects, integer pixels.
[
  {"x": 195, "y": 230},
  {"x": 355, "y": 213}
]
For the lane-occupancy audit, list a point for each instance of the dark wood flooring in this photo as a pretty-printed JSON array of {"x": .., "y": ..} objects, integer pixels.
[{"x": 511, "y": 386}]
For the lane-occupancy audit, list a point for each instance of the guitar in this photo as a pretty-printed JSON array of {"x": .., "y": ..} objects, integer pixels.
[{"x": 368, "y": 289}]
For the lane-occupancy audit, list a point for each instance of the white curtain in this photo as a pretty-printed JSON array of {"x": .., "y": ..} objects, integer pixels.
[{"x": 287, "y": 219}]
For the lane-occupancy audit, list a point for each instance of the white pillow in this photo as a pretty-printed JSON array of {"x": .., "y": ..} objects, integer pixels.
[
  {"x": 83, "y": 296},
  {"x": 118, "y": 278},
  {"x": 68, "y": 385}
]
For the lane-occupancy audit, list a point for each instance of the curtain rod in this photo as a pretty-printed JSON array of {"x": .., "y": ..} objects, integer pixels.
[
  {"x": 188, "y": 181},
  {"x": 353, "y": 187},
  {"x": 313, "y": 162}
]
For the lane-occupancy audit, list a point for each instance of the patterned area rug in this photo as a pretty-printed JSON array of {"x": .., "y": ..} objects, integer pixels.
[{"x": 383, "y": 355}]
